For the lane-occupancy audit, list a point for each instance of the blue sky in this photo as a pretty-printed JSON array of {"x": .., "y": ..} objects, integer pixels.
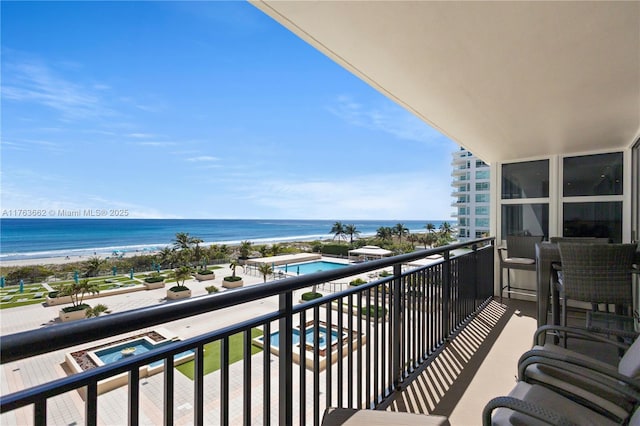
[{"x": 201, "y": 110}]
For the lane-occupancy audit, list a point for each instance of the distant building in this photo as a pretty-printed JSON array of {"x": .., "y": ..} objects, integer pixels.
[{"x": 471, "y": 195}]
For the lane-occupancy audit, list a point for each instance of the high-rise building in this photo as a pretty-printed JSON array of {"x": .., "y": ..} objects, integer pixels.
[{"x": 471, "y": 195}]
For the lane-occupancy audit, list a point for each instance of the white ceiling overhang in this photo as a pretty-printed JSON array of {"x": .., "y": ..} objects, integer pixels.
[{"x": 505, "y": 80}]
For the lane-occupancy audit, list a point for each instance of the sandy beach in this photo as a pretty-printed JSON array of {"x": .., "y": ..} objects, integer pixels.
[{"x": 61, "y": 260}]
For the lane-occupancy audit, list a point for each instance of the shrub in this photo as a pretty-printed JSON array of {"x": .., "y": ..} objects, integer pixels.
[
  {"x": 357, "y": 281},
  {"x": 154, "y": 279},
  {"x": 211, "y": 289},
  {"x": 177, "y": 288},
  {"x": 385, "y": 274},
  {"x": 310, "y": 296},
  {"x": 205, "y": 272},
  {"x": 336, "y": 249},
  {"x": 80, "y": 307},
  {"x": 53, "y": 294},
  {"x": 372, "y": 311},
  {"x": 232, "y": 279}
]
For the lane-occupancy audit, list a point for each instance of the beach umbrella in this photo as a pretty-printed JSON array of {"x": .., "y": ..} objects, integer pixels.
[
  {"x": 21, "y": 286},
  {"x": 286, "y": 267},
  {"x": 131, "y": 274},
  {"x": 1, "y": 282},
  {"x": 298, "y": 271},
  {"x": 157, "y": 267},
  {"x": 76, "y": 276},
  {"x": 115, "y": 270}
]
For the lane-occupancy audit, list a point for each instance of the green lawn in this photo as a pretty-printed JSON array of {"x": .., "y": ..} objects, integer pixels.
[{"x": 212, "y": 354}]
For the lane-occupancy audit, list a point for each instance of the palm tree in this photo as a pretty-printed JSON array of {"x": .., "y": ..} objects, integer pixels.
[
  {"x": 182, "y": 241},
  {"x": 400, "y": 230},
  {"x": 430, "y": 227},
  {"x": 266, "y": 270},
  {"x": 245, "y": 249},
  {"x": 77, "y": 291},
  {"x": 384, "y": 233},
  {"x": 446, "y": 229},
  {"x": 351, "y": 230},
  {"x": 96, "y": 310},
  {"x": 338, "y": 231},
  {"x": 413, "y": 239},
  {"x": 197, "y": 251},
  {"x": 166, "y": 256},
  {"x": 276, "y": 249},
  {"x": 182, "y": 274},
  {"x": 93, "y": 266}
]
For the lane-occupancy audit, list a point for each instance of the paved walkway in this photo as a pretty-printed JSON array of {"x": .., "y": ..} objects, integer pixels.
[{"x": 69, "y": 408}]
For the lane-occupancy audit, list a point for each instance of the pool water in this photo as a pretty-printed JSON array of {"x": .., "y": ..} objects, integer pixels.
[
  {"x": 113, "y": 354},
  {"x": 311, "y": 267},
  {"x": 309, "y": 337}
]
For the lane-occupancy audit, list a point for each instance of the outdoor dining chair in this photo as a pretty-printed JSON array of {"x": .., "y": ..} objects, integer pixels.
[
  {"x": 521, "y": 255},
  {"x": 596, "y": 274}
]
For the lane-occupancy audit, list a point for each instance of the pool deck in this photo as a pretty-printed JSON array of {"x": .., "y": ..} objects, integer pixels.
[{"x": 285, "y": 259}]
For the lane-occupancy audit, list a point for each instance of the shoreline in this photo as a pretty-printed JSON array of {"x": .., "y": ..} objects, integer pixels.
[{"x": 74, "y": 258}]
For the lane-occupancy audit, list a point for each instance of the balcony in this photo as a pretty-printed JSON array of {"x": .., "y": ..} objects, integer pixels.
[{"x": 390, "y": 335}]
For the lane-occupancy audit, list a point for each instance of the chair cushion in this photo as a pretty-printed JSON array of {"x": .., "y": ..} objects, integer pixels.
[
  {"x": 548, "y": 399},
  {"x": 520, "y": 260}
]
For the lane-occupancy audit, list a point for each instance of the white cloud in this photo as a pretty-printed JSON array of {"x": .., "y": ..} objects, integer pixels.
[
  {"x": 389, "y": 118},
  {"x": 32, "y": 82},
  {"x": 203, "y": 158}
]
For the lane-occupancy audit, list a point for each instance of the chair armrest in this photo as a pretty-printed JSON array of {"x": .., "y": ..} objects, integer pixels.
[
  {"x": 536, "y": 411},
  {"x": 580, "y": 332},
  {"x": 610, "y": 378}
]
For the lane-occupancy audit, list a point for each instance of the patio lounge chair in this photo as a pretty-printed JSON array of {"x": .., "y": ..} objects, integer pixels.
[
  {"x": 530, "y": 405},
  {"x": 551, "y": 372}
]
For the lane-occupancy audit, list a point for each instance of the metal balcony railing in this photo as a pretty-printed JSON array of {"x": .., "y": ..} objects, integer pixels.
[{"x": 352, "y": 348}]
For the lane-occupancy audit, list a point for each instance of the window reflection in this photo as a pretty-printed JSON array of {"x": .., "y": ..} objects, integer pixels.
[
  {"x": 525, "y": 180},
  {"x": 590, "y": 175},
  {"x": 525, "y": 219},
  {"x": 594, "y": 219}
]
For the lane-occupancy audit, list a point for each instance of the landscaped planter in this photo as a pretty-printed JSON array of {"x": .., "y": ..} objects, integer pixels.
[
  {"x": 180, "y": 294},
  {"x": 205, "y": 277},
  {"x": 73, "y": 315},
  {"x": 152, "y": 286},
  {"x": 52, "y": 301},
  {"x": 232, "y": 284}
]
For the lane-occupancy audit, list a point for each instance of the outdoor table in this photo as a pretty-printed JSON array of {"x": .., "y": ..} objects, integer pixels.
[{"x": 546, "y": 255}]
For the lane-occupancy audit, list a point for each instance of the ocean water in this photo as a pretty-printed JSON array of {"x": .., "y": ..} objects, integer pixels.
[{"x": 42, "y": 238}]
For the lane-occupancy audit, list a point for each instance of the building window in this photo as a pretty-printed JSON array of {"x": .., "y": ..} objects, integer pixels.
[
  {"x": 482, "y": 222},
  {"x": 481, "y": 234},
  {"x": 462, "y": 221},
  {"x": 482, "y": 198},
  {"x": 592, "y": 196},
  {"x": 482, "y": 211},
  {"x": 600, "y": 219},
  {"x": 480, "y": 163},
  {"x": 525, "y": 180},
  {"x": 525, "y": 219},
  {"x": 482, "y": 186},
  {"x": 482, "y": 174}
]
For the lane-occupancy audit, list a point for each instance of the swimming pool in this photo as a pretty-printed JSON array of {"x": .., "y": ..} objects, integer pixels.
[
  {"x": 311, "y": 267},
  {"x": 114, "y": 353},
  {"x": 309, "y": 337}
]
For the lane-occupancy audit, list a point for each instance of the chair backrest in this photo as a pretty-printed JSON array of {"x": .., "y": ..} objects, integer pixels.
[
  {"x": 523, "y": 245},
  {"x": 587, "y": 240},
  {"x": 597, "y": 273},
  {"x": 630, "y": 362}
]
